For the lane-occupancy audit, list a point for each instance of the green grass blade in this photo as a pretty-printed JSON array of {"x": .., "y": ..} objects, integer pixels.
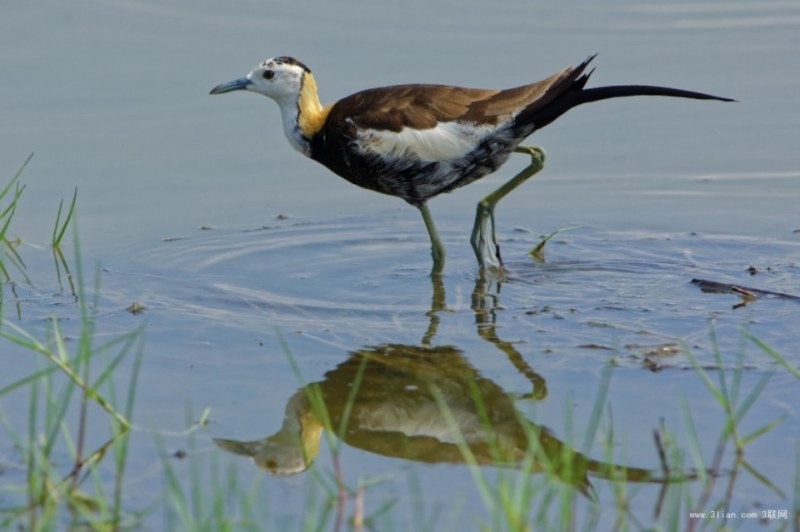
[
  {"x": 763, "y": 430},
  {"x": 751, "y": 398},
  {"x": 763, "y": 479},
  {"x": 16, "y": 177},
  {"x": 58, "y": 232},
  {"x": 9, "y": 211},
  {"x": 597, "y": 410},
  {"x": 774, "y": 354},
  {"x": 694, "y": 440},
  {"x": 481, "y": 482},
  {"x": 26, "y": 380},
  {"x": 538, "y": 251}
]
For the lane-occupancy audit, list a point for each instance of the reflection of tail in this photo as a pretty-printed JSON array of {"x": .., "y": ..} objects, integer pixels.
[{"x": 573, "y": 468}]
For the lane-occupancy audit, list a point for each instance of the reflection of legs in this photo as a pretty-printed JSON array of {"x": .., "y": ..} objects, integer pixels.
[
  {"x": 438, "y": 304},
  {"x": 486, "y": 248},
  {"x": 484, "y": 305},
  {"x": 437, "y": 248}
]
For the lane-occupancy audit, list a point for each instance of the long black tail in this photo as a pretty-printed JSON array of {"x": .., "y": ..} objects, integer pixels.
[
  {"x": 620, "y": 91},
  {"x": 573, "y": 94}
]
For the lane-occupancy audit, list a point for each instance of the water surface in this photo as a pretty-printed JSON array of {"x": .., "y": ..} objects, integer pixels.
[{"x": 113, "y": 99}]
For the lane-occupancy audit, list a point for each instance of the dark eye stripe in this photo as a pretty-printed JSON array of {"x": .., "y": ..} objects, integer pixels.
[{"x": 285, "y": 60}]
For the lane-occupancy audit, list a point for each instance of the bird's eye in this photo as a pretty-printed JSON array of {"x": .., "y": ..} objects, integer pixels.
[{"x": 268, "y": 74}]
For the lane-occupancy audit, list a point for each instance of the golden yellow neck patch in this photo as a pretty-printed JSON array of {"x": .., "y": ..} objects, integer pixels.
[
  {"x": 310, "y": 113},
  {"x": 310, "y": 435}
]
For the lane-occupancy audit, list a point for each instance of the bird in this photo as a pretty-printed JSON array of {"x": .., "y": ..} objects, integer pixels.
[{"x": 417, "y": 141}]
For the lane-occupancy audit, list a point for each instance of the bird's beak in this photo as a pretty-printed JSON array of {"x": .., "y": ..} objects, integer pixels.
[{"x": 235, "y": 85}]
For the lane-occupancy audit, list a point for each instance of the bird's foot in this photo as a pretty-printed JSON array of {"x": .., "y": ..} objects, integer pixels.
[
  {"x": 437, "y": 248},
  {"x": 484, "y": 238},
  {"x": 484, "y": 235},
  {"x": 437, "y": 254}
]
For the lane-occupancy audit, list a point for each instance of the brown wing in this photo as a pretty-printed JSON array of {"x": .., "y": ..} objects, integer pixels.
[
  {"x": 416, "y": 106},
  {"x": 423, "y": 106}
]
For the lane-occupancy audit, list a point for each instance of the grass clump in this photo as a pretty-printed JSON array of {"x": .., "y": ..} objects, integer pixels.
[
  {"x": 10, "y": 257},
  {"x": 65, "y": 468},
  {"x": 9, "y": 199},
  {"x": 61, "y": 460}
]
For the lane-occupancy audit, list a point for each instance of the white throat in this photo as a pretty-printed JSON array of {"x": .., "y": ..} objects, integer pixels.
[{"x": 290, "y": 113}]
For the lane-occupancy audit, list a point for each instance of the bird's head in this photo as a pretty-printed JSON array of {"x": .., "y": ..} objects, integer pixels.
[
  {"x": 290, "y": 83},
  {"x": 280, "y": 78}
]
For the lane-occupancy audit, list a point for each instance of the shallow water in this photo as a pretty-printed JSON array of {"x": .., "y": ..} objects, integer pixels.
[{"x": 112, "y": 97}]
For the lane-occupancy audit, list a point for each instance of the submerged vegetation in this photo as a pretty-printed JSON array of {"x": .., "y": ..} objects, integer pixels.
[{"x": 67, "y": 463}]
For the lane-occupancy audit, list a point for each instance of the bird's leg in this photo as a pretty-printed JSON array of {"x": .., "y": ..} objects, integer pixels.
[
  {"x": 437, "y": 248},
  {"x": 486, "y": 248},
  {"x": 438, "y": 304}
]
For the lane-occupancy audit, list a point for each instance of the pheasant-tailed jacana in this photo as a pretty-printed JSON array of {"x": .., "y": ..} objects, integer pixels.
[{"x": 418, "y": 141}]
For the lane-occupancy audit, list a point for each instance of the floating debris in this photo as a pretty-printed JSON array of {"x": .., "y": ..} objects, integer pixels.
[
  {"x": 658, "y": 351},
  {"x": 596, "y": 346},
  {"x": 136, "y": 308},
  {"x": 714, "y": 287},
  {"x": 539, "y": 310}
]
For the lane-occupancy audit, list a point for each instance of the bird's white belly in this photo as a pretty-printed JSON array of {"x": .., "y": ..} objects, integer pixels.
[{"x": 447, "y": 142}]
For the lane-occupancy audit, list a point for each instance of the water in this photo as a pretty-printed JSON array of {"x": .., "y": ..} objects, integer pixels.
[{"x": 112, "y": 98}]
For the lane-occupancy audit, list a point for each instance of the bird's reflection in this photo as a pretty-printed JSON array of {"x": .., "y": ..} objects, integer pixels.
[{"x": 419, "y": 402}]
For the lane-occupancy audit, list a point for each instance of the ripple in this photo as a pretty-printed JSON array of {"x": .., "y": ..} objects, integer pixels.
[{"x": 362, "y": 273}]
